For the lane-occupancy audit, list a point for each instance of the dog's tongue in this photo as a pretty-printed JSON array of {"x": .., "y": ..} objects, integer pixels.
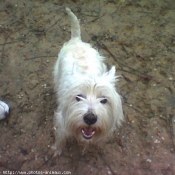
[{"x": 88, "y": 132}]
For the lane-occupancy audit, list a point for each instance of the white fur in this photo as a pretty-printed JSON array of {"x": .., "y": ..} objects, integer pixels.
[{"x": 80, "y": 70}]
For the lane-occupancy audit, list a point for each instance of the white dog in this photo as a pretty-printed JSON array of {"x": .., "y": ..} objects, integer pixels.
[{"x": 89, "y": 106}]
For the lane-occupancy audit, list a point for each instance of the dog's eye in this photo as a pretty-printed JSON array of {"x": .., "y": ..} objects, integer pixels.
[
  {"x": 78, "y": 97},
  {"x": 104, "y": 101}
]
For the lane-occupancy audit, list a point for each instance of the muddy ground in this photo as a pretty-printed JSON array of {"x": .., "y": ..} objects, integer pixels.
[{"x": 138, "y": 36}]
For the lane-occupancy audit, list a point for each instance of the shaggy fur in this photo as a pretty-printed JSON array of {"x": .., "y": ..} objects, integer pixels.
[{"x": 89, "y": 108}]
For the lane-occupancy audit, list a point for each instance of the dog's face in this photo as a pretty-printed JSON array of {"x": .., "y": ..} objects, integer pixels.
[{"x": 91, "y": 109}]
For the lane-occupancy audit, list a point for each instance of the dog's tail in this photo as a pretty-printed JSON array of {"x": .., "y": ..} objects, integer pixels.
[{"x": 75, "y": 26}]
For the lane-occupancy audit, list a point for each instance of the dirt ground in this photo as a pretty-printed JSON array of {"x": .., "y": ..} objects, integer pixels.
[{"x": 138, "y": 36}]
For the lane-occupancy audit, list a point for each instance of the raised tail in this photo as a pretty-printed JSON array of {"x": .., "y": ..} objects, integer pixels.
[{"x": 75, "y": 26}]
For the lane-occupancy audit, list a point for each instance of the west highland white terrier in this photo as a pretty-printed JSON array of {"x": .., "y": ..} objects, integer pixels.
[{"x": 89, "y": 108}]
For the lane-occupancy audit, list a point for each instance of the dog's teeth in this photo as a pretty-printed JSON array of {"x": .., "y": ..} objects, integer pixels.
[{"x": 88, "y": 136}]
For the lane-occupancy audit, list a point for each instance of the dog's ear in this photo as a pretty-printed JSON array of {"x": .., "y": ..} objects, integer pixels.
[
  {"x": 111, "y": 75},
  {"x": 112, "y": 71}
]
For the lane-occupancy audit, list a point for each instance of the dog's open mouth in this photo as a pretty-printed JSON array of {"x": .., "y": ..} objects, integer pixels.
[{"x": 88, "y": 132}]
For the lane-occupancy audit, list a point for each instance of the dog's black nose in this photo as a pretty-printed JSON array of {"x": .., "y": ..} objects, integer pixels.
[{"x": 90, "y": 119}]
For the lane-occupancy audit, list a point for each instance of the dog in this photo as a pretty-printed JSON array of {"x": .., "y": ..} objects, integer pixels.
[{"x": 89, "y": 107}]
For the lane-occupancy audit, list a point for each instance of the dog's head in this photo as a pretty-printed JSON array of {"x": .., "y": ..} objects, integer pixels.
[{"x": 92, "y": 108}]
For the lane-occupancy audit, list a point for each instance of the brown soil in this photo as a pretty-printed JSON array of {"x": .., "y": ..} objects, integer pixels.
[{"x": 135, "y": 35}]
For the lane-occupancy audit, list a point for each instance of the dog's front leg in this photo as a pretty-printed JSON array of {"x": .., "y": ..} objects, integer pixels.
[{"x": 60, "y": 137}]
